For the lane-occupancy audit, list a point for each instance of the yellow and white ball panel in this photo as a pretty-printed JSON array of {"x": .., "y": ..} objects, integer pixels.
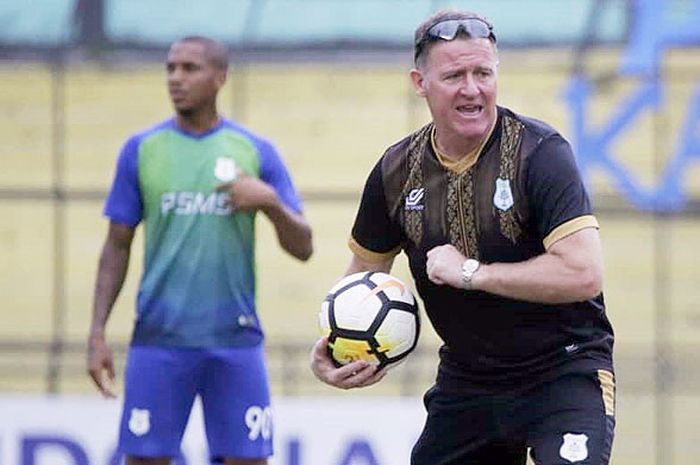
[
  {"x": 397, "y": 333},
  {"x": 346, "y": 350}
]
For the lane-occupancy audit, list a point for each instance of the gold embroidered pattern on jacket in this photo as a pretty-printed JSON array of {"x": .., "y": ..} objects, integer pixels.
[
  {"x": 510, "y": 145},
  {"x": 460, "y": 212},
  {"x": 454, "y": 230},
  {"x": 413, "y": 219}
]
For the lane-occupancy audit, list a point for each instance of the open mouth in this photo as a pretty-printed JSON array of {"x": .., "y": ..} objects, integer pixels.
[{"x": 470, "y": 110}]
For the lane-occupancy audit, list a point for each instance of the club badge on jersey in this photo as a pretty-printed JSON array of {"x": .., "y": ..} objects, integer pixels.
[
  {"x": 503, "y": 197},
  {"x": 226, "y": 169}
]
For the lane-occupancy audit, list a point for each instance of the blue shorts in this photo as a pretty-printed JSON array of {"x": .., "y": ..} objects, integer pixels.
[
  {"x": 567, "y": 421},
  {"x": 161, "y": 385}
]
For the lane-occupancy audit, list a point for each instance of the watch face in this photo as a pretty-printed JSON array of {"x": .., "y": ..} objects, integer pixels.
[{"x": 470, "y": 266}]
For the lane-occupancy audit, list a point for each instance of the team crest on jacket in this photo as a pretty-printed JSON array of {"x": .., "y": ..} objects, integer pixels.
[
  {"x": 139, "y": 421},
  {"x": 503, "y": 197},
  {"x": 574, "y": 448},
  {"x": 225, "y": 169},
  {"x": 414, "y": 199}
]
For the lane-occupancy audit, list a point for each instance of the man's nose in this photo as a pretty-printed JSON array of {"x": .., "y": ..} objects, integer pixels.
[{"x": 469, "y": 85}]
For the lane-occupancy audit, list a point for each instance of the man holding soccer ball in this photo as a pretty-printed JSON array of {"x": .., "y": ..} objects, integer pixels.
[{"x": 504, "y": 249}]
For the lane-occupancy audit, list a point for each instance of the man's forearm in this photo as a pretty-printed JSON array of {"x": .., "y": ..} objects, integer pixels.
[
  {"x": 293, "y": 232},
  {"x": 112, "y": 269},
  {"x": 542, "y": 279},
  {"x": 571, "y": 271}
]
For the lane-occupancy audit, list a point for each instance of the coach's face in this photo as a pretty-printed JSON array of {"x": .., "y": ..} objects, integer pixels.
[
  {"x": 458, "y": 80},
  {"x": 193, "y": 80}
]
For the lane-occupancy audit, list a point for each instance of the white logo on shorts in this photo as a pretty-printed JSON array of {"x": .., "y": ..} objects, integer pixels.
[
  {"x": 574, "y": 448},
  {"x": 139, "y": 421}
]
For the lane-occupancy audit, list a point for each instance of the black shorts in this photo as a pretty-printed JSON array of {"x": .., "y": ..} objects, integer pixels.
[{"x": 567, "y": 421}]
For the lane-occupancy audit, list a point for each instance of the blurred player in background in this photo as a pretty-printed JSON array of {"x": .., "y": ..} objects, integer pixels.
[
  {"x": 196, "y": 181},
  {"x": 491, "y": 211}
]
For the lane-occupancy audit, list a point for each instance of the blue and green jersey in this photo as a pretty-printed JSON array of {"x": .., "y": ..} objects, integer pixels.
[{"x": 198, "y": 283}]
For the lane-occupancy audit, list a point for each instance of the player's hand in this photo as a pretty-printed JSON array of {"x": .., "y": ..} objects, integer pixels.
[
  {"x": 444, "y": 265},
  {"x": 353, "y": 375},
  {"x": 248, "y": 193},
  {"x": 101, "y": 366}
]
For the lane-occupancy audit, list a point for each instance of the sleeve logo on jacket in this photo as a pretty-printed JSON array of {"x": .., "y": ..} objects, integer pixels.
[{"x": 414, "y": 199}]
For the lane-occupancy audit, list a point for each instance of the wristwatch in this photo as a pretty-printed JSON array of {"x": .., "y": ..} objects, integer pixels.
[{"x": 469, "y": 267}]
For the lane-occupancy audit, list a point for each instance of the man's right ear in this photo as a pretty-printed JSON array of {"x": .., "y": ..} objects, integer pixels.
[{"x": 418, "y": 81}]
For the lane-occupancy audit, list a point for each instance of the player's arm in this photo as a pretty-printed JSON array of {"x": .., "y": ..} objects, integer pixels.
[
  {"x": 571, "y": 270},
  {"x": 293, "y": 231},
  {"x": 248, "y": 193},
  {"x": 112, "y": 268},
  {"x": 359, "y": 264}
]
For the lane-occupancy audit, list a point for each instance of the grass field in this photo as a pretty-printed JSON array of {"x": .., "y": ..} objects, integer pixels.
[{"x": 331, "y": 122}]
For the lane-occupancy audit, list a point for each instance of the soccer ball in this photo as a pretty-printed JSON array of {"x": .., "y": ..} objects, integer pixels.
[{"x": 370, "y": 316}]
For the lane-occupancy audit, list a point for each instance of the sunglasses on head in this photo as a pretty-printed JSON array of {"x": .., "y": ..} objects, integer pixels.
[{"x": 449, "y": 29}]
